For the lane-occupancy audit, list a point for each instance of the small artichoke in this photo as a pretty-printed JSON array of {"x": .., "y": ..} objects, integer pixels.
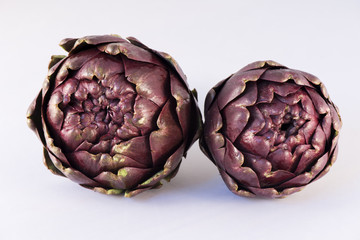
[
  {"x": 114, "y": 115},
  {"x": 270, "y": 130}
]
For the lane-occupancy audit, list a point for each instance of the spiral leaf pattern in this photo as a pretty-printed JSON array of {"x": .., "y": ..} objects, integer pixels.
[
  {"x": 114, "y": 115},
  {"x": 270, "y": 130}
]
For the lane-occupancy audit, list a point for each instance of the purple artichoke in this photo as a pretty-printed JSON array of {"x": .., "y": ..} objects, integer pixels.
[
  {"x": 114, "y": 115},
  {"x": 270, "y": 130}
]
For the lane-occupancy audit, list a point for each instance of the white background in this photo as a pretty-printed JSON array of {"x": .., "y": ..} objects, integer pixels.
[{"x": 210, "y": 40}]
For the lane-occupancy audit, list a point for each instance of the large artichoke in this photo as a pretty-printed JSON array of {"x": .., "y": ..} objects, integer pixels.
[
  {"x": 270, "y": 130},
  {"x": 114, "y": 115}
]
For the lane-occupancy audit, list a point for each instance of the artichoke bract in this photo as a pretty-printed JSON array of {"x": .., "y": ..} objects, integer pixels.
[
  {"x": 270, "y": 130},
  {"x": 114, "y": 115}
]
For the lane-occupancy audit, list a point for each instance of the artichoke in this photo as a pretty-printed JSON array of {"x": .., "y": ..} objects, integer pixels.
[
  {"x": 270, "y": 130},
  {"x": 114, "y": 115}
]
